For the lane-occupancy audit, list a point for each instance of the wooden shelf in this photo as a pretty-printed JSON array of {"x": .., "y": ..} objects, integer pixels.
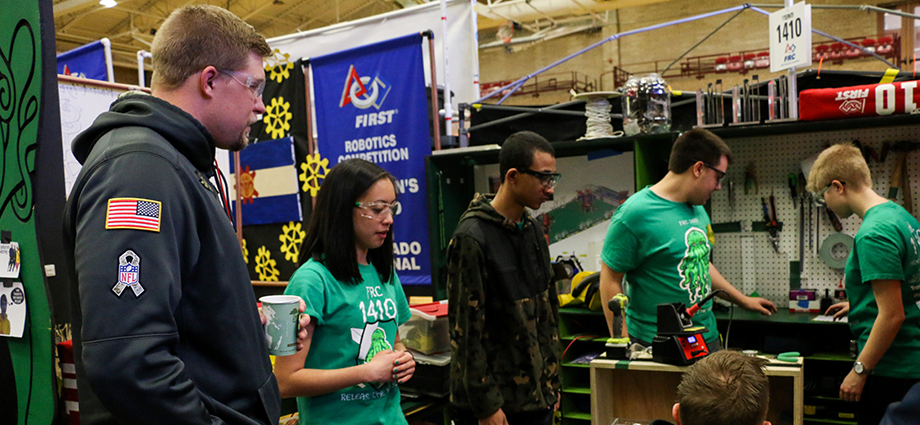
[
  {"x": 830, "y": 421},
  {"x": 269, "y": 284},
  {"x": 646, "y": 389}
]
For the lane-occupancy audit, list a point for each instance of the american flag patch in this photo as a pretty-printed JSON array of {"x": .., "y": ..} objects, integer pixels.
[{"x": 133, "y": 213}]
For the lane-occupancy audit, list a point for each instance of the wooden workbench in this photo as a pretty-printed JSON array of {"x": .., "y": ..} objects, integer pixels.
[{"x": 646, "y": 390}]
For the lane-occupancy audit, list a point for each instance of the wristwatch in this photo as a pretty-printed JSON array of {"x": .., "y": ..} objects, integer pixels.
[{"x": 860, "y": 369}]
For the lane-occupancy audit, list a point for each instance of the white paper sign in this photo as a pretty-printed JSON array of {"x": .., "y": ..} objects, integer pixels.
[
  {"x": 12, "y": 310},
  {"x": 790, "y": 37},
  {"x": 10, "y": 260}
]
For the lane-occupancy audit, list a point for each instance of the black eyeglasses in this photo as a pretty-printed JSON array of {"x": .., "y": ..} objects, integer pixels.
[
  {"x": 819, "y": 195},
  {"x": 721, "y": 173},
  {"x": 548, "y": 179}
]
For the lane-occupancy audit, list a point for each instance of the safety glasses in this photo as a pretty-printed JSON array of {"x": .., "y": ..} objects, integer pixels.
[
  {"x": 252, "y": 83},
  {"x": 378, "y": 210}
]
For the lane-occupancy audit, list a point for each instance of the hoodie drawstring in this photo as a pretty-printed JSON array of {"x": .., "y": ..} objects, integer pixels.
[{"x": 223, "y": 189}]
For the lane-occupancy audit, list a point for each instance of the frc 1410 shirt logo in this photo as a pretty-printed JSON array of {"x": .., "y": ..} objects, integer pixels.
[{"x": 363, "y": 93}]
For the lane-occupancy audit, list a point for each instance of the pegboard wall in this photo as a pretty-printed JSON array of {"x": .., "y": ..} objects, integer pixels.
[{"x": 747, "y": 259}]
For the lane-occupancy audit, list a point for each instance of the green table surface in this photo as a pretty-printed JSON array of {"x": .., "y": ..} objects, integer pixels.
[{"x": 781, "y": 316}]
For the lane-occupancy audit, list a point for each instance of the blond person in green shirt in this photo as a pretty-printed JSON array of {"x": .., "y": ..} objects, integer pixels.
[{"x": 882, "y": 283}]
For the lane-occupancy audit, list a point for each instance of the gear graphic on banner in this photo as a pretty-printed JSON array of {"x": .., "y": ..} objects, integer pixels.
[
  {"x": 277, "y": 118},
  {"x": 313, "y": 171},
  {"x": 279, "y": 66},
  {"x": 245, "y": 252},
  {"x": 291, "y": 238},
  {"x": 265, "y": 266}
]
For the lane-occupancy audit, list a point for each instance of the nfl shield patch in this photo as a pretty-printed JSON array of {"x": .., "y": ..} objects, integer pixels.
[{"x": 129, "y": 271}]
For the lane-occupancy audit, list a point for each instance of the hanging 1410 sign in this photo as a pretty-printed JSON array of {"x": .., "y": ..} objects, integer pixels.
[{"x": 790, "y": 37}]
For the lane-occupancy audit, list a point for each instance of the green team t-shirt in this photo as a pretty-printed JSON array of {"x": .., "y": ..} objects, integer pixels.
[
  {"x": 887, "y": 246},
  {"x": 663, "y": 248},
  {"x": 353, "y": 322}
]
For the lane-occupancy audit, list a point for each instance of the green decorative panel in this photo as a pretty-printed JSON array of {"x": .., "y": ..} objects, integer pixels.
[{"x": 28, "y": 361}]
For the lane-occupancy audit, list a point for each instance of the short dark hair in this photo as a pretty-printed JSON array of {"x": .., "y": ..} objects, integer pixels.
[
  {"x": 197, "y": 36},
  {"x": 697, "y": 145},
  {"x": 724, "y": 388},
  {"x": 518, "y": 150},
  {"x": 330, "y": 236}
]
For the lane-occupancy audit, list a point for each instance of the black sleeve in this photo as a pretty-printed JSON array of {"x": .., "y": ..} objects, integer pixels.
[{"x": 130, "y": 342}]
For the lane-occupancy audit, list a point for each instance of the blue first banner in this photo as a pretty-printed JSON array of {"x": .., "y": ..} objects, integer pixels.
[
  {"x": 86, "y": 61},
  {"x": 371, "y": 104}
]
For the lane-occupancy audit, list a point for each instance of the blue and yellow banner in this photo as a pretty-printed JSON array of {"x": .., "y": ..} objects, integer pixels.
[
  {"x": 268, "y": 183},
  {"x": 371, "y": 104}
]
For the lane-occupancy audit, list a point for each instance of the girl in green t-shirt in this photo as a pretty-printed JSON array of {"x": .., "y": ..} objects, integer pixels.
[{"x": 352, "y": 359}]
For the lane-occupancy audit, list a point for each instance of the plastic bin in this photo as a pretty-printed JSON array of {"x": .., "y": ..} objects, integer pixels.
[
  {"x": 432, "y": 375},
  {"x": 427, "y": 329}
]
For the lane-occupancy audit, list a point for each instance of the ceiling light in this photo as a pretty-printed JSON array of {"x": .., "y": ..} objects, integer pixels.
[{"x": 108, "y": 3}]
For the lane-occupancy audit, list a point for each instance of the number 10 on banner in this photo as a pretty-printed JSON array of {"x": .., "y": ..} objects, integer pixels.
[{"x": 790, "y": 37}]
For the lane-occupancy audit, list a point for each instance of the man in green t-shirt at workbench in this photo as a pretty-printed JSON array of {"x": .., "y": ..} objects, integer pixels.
[{"x": 659, "y": 241}]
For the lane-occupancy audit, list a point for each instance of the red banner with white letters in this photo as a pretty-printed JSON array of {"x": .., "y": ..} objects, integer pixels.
[{"x": 859, "y": 101}]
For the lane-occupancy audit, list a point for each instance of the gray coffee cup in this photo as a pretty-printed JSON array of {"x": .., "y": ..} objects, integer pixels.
[{"x": 282, "y": 314}]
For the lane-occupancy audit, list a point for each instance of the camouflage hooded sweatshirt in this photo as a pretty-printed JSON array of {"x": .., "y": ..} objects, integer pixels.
[{"x": 503, "y": 314}]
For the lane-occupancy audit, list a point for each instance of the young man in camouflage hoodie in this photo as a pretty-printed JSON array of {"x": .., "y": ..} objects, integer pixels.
[{"x": 504, "y": 311}]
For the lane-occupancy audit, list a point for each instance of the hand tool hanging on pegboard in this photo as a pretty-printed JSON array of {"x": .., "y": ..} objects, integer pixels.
[
  {"x": 817, "y": 229},
  {"x": 770, "y": 222},
  {"x": 835, "y": 221},
  {"x": 750, "y": 182},
  {"x": 867, "y": 151},
  {"x": 803, "y": 198},
  {"x": 899, "y": 174},
  {"x": 731, "y": 198}
]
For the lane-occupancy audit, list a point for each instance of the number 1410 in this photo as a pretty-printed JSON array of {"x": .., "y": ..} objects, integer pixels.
[{"x": 788, "y": 30}]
